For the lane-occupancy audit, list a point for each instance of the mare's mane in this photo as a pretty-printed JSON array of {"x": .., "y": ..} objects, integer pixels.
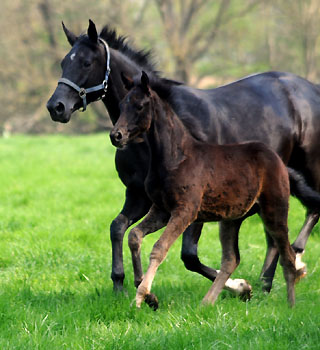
[
  {"x": 143, "y": 58},
  {"x": 162, "y": 86}
]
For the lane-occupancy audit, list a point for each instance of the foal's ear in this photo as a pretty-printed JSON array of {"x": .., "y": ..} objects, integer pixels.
[
  {"x": 72, "y": 38},
  {"x": 92, "y": 32},
  {"x": 145, "y": 83},
  {"x": 127, "y": 82}
]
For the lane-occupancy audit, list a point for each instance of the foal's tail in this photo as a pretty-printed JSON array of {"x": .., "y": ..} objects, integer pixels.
[{"x": 300, "y": 189}]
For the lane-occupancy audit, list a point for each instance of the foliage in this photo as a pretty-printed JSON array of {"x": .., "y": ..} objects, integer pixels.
[
  {"x": 204, "y": 43},
  {"x": 59, "y": 195}
]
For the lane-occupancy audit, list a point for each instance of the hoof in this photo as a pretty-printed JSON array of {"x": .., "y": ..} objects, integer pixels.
[
  {"x": 152, "y": 300},
  {"x": 266, "y": 287},
  {"x": 240, "y": 288},
  {"x": 118, "y": 289},
  {"x": 137, "y": 283},
  {"x": 246, "y": 291}
]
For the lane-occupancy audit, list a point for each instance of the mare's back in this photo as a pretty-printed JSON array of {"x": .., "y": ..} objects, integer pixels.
[{"x": 252, "y": 108}]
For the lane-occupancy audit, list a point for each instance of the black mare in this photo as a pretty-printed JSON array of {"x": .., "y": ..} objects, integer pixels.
[{"x": 280, "y": 109}]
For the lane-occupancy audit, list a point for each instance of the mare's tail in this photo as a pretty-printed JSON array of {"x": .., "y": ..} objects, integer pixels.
[{"x": 300, "y": 189}]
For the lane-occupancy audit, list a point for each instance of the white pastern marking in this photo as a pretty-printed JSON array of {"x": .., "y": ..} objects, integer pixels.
[
  {"x": 299, "y": 263},
  {"x": 72, "y": 56}
]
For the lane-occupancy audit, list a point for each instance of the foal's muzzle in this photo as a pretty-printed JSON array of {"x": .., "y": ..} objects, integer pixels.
[{"x": 117, "y": 139}]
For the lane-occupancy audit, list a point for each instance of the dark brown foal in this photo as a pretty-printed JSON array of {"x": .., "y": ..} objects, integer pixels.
[{"x": 190, "y": 181}]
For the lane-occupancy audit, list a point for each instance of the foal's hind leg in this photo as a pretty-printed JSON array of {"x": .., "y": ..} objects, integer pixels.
[
  {"x": 154, "y": 221},
  {"x": 274, "y": 217},
  {"x": 270, "y": 263},
  {"x": 229, "y": 232}
]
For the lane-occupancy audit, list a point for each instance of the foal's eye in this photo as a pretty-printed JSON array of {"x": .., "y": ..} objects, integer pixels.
[
  {"x": 139, "y": 107},
  {"x": 87, "y": 64}
]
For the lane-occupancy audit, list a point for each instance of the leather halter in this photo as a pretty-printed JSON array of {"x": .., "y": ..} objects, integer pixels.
[{"x": 103, "y": 86}]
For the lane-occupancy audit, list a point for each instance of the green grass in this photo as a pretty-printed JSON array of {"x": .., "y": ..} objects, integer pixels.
[{"x": 58, "y": 197}]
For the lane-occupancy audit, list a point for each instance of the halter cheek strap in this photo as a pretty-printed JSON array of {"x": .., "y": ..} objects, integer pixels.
[{"x": 103, "y": 86}]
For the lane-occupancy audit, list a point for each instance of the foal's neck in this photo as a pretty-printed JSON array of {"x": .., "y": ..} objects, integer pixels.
[{"x": 168, "y": 138}]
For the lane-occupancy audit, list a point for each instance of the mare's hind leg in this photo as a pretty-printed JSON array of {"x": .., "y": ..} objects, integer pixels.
[
  {"x": 229, "y": 232},
  {"x": 154, "y": 221},
  {"x": 189, "y": 252},
  {"x": 189, "y": 255},
  {"x": 301, "y": 241},
  {"x": 135, "y": 207}
]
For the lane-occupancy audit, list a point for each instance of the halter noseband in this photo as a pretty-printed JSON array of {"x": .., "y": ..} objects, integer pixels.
[{"x": 103, "y": 86}]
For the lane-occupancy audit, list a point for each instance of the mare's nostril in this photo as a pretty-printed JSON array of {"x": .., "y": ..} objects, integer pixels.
[{"x": 60, "y": 108}]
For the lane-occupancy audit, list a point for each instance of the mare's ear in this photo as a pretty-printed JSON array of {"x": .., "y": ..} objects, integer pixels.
[
  {"x": 92, "y": 32},
  {"x": 127, "y": 82},
  {"x": 145, "y": 83},
  {"x": 72, "y": 38}
]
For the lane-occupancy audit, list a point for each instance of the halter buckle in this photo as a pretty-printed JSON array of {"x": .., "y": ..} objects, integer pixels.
[
  {"x": 82, "y": 93},
  {"x": 105, "y": 85}
]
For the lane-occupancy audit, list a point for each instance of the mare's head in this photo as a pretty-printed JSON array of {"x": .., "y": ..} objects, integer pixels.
[
  {"x": 135, "y": 112},
  {"x": 84, "y": 66}
]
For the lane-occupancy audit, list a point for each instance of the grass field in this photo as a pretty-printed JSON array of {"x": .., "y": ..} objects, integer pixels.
[{"x": 58, "y": 197}]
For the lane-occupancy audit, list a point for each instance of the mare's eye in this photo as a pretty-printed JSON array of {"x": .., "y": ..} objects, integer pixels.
[
  {"x": 87, "y": 63},
  {"x": 139, "y": 107}
]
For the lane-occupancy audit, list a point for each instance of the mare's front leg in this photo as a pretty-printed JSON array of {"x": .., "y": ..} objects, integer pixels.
[
  {"x": 179, "y": 221},
  {"x": 135, "y": 207},
  {"x": 189, "y": 255},
  {"x": 154, "y": 221},
  {"x": 229, "y": 233}
]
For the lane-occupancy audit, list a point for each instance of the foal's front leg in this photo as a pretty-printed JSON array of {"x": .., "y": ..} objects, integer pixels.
[
  {"x": 178, "y": 222},
  {"x": 154, "y": 221}
]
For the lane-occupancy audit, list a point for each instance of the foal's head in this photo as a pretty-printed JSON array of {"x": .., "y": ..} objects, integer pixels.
[{"x": 135, "y": 112}]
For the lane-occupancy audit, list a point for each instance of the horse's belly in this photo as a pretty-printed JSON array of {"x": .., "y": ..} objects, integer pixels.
[
  {"x": 226, "y": 205},
  {"x": 222, "y": 212}
]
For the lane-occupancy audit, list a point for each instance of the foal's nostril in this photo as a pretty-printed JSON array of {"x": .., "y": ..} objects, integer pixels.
[{"x": 117, "y": 136}]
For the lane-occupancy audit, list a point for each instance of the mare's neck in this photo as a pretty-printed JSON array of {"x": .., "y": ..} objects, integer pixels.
[
  {"x": 116, "y": 90},
  {"x": 168, "y": 138}
]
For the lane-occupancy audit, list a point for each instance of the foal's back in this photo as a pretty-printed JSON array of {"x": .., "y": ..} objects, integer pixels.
[{"x": 236, "y": 176}]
